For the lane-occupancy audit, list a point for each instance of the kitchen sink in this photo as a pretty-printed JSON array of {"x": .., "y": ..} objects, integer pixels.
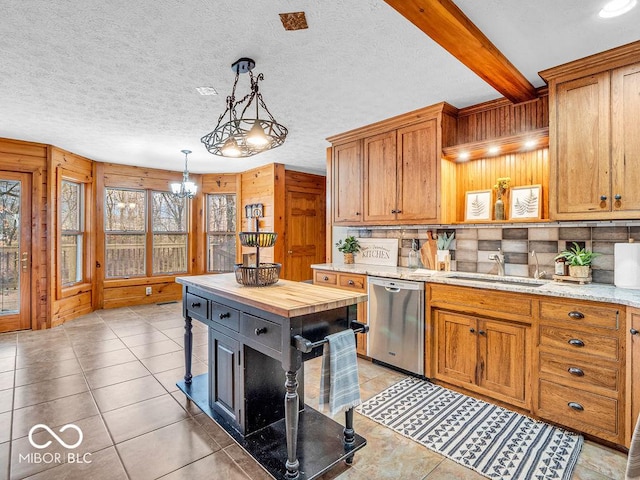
[{"x": 500, "y": 280}]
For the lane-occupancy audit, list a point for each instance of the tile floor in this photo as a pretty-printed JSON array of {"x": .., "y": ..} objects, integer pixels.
[{"x": 113, "y": 372}]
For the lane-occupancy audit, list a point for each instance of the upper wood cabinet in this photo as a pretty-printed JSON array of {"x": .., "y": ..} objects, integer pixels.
[
  {"x": 594, "y": 138},
  {"x": 390, "y": 172}
]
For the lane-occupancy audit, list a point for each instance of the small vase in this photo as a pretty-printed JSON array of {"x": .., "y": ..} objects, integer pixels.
[
  {"x": 579, "y": 271},
  {"x": 441, "y": 255},
  {"x": 499, "y": 209},
  {"x": 348, "y": 258}
]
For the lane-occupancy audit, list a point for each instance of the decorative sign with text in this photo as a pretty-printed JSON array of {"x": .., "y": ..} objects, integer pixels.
[{"x": 377, "y": 251}]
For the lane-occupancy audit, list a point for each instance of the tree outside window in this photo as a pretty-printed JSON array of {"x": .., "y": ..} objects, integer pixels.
[
  {"x": 72, "y": 232},
  {"x": 221, "y": 232}
]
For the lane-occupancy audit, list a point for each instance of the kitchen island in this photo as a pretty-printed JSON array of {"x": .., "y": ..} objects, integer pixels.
[{"x": 259, "y": 338}]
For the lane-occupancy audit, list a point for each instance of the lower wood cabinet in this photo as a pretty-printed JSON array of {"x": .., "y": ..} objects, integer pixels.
[
  {"x": 348, "y": 281},
  {"x": 579, "y": 374},
  {"x": 224, "y": 382},
  {"x": 633, "y": 370},
  {"x": 487, "y": 356}
]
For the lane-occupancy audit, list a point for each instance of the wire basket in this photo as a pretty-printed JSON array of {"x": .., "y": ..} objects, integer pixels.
[
  {"x": 265, "y": 274},
  {"x": 257, "y": 239}
]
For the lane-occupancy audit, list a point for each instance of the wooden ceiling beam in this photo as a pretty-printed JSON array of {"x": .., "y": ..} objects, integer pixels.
[{"x": 447, "y": 25}]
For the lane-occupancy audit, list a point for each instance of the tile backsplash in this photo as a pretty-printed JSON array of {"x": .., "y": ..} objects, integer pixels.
[{"x": 473, "y": 245}]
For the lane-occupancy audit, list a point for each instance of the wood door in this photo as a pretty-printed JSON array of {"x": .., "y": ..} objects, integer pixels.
[
  {"x": 418, "y": 171},
  {"x": 380, "y": 178},
  {"x": 224, "y": 381},
  {"x": 625, "y": 141},
  {"x": 15, "y": 251},
  {"x": 582, "y": 165},
  {"x": 633, "y": 370},
  {"x": 502, "y": 359},
  {"x": 347, "y": 183},
  {"x": 457, "y": 347},
  {"x": 305, "y": 234}
]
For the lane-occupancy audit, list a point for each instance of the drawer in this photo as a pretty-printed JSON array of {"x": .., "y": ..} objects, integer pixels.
[
  {"x": 197, "y": 307},
  {"x": 225, "y": 316},
  {"x": 576, "y": 314},
  {"x": 580, "y": 373},
  {"x": 321, "y": 277},
  {"x": 570, "y": 341},
  {"x": 598, "y": 415},
  {"x": 262, "y": 331},
  {"x": 353, "y": 282}
]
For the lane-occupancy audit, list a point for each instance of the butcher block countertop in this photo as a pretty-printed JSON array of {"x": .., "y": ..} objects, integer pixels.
[{"x": 285, "y": 298}]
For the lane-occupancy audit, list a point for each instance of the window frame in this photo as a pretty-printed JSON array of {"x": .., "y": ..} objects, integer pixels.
[
  {"x": 153, "y": 233},
  {"x": 79, "y": 234}
]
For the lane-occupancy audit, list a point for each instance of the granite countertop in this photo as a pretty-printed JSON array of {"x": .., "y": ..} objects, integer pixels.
[
  {"x": 597, "y": 292},
  {"x": 285, "y": 298}
]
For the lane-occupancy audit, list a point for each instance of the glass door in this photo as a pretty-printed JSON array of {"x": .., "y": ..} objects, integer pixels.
[{"x": 15, "y": 251}]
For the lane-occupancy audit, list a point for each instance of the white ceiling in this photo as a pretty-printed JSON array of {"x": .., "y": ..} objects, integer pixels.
[{"x": 115, "y": 81}]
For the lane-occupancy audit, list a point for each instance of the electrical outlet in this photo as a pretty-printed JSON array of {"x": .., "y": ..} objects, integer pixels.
[{"x": 148, "y": 291}]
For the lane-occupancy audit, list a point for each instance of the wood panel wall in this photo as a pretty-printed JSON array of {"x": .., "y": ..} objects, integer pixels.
[
  {"x": 71, "y": 302},
  {"x": 265, "y": 185},
  {"x": 31, "y": 158},
  {"x": 500, "y": 118}
]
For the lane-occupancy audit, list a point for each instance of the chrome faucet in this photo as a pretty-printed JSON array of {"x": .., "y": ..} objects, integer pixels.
[
  {"x": 499, "y": 259},
  {"x": 537, "y": 274}
]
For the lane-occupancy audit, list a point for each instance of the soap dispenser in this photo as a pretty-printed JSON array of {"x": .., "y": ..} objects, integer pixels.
[{"x": 414, "y": 257}]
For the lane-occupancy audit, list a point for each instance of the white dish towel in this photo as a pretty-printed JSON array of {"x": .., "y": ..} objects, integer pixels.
[{"x": 339, "y": 385}]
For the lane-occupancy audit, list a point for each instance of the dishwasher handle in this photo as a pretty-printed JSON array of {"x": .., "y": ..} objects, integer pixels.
[{"x": 392, "y": 289}]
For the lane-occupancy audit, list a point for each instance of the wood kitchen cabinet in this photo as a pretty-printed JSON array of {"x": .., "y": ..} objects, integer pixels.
[
  {"x": 579, "y": 368},
  {"x": 476, "y": 347},
  {"x": 390, "y": 172},
  {"x": 594, "y": 136},
  {"x": 633, "y": 371}
]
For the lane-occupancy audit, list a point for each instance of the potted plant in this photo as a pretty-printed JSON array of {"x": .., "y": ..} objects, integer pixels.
[
  {"x": 348, "y": 247},
  {"x": 443, "y": 241},
  {"x": 579, "y": 260}
]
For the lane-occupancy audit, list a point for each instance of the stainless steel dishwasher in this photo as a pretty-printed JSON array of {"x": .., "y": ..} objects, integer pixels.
[{"x": 396, "y": 323}]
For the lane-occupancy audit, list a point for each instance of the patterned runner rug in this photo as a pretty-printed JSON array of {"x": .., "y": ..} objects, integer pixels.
[{"x": 491, "y": 440}]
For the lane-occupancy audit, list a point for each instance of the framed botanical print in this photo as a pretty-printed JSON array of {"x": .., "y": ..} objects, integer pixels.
[
  {"x": 477, "y": 206},
  {"x": 526, "y": 202}
]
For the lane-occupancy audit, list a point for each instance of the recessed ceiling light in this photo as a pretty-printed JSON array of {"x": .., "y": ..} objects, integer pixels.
[
  {"x": 493, "y": 150},
  {"x": 530, "y": 143},
  {"x": 463, "y": 156},
  {"x": 206, "y": 91},
  {"x": 615, "y": 8}
]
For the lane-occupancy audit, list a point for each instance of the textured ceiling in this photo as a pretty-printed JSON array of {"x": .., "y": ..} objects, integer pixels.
[{"x": 115, "y": 81}]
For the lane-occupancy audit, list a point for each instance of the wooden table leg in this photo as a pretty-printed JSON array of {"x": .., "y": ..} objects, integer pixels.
[
  {"x": 188, "y": 347},
  {"x": 349, "y": 434},
  {"x": 291, "y": 414}
]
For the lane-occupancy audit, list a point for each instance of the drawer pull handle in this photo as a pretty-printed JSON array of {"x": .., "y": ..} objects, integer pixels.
[
  {"x": 603, "y": 198},
  {"x": 195, "y": 304},
  {"x": 618, "y": 196},
  {"x": 351, "y": 282},
  {"x": 576, "y": 371},
  {"x": 576, "y": 342},
  {"x": 576, "y": 315},
  {"x": 472, "y": 330},
  {"x": 261, "y": 330},
  {"x": 224, "y": 315},
  {"x": 576, "y": 406},
  {"x": 325, "y": 278},
  {"x": 633, "y": 331}
]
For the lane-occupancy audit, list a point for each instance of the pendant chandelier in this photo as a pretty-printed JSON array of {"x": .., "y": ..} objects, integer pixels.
[
  {"x": 244, "y": 135},
  {"x": 186, "y": 188}
]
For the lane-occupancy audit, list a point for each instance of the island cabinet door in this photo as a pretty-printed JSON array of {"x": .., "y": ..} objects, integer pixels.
[{"x": 224, "y": 376}]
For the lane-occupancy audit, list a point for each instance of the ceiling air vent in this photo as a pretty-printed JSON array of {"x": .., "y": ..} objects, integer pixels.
[{"x": 294, "y": 21}]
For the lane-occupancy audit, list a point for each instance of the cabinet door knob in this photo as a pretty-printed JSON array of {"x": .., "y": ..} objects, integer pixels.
[
  {"x": 393, "y": 211},
  {"x": 472, "y": 330},
  {"x": 633, "y": 331},
  {"x": 576, "y": 343},
  {"x": 618, "y": 196},
  {"x": 261, "y": 330},
  {"x": 575, "y": 406},
  {"x": 351, "y": 282},
  {"x": 325, "y": 278},
  {"x": 575, "y": 371},
  {"x": 357, "y": 213},
  {"x": 603, "y": 198},
  {"x": 224, "y": 315},
  {"x": 576, "y": 315},
  {"x": 195, "y": 304},
  {"x": 289, "y": 252},
  {"x": 481, "y": 332}
]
